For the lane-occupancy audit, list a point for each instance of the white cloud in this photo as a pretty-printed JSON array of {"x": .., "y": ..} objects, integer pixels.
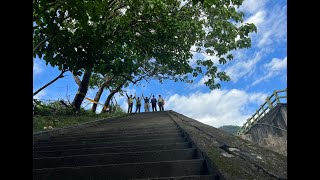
[
  {"x": 201, "y": 56},
  {"x": 276, "y": 64},
  {"x": 274, "y": 28},
  {"x": 257, "y": 19},
  {"x": 201, "y": 82},
  {"x": 242, "y": 68},
  {"x": 271, "y": 22},
  {"x": 273, "y": 68},
  {"x": 252, "y": 6},
  {"x": 271, "y": 25},
  {"x": 217, "y": 108},
  {"x": 271, "y": 30},
  {"x": 40, "y": 95},
  {"x": 37, "y": 69}
]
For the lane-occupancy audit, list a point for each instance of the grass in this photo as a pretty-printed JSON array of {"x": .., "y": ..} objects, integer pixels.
[
  {"x": 41, "y": 123},
  {"x": 48, "y": 117}
]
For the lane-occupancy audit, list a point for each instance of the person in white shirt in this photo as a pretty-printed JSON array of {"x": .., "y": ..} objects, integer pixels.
[{"x": 160, "y": 103}]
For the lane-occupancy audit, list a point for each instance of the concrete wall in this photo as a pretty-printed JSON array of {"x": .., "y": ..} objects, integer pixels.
[{"x": 271, "y": 130}]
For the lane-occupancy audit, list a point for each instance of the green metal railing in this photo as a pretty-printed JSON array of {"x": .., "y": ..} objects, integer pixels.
[{"x": 271, "y": 101}]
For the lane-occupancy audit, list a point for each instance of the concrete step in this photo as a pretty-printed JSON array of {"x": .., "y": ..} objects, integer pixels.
[
  {"x": 114, "y": 158},
  {"x": 105, "y": 139},
  {"x": 119, "y": 131},
  {"x": 116, "y": 149},
  {"x": 192, "y": 177},
  {"x": 124, "y": 171},
  {"x": 110, "y": 144},
  {"x": 102, "y": 135}
]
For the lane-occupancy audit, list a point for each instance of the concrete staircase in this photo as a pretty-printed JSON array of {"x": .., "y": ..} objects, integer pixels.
[{"x": 139, "y": 146}]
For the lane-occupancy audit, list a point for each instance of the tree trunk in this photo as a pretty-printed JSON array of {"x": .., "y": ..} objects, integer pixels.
[
  {"x": 100, "y": 91},
  {"x": 76, "y": 79},
  {"x": 107, "y": 102},
  {"x": 97, "y": 98},
  {"x": 82, "y": 90}
]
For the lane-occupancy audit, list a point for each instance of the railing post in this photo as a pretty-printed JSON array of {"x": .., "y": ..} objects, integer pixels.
[
  {"x": 258, "y": 115},
  {"x": 263, "y": 112},
  {"x": 269, "y": 103},
  {"x": 276, "y": 95},
  {"x": 253, "y": 119},
  {"x": 287, "y": 94}
]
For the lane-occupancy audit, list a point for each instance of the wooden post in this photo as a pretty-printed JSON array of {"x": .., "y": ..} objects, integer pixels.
[
  {"x": 276, "y": 95},
  {"x": 286, "y": 94},
  {"x": 258, "y": 115},
  {"x": 269, "y": 103},
  {"x": 264, "y": 113}
]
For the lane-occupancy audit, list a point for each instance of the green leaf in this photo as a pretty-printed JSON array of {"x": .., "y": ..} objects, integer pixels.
[
  {"x": 222, "y": 60},
  {"x": 230, "y": 57}
]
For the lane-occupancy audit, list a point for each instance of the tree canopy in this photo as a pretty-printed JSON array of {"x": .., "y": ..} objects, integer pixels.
[{"x": 140, "y": 37}]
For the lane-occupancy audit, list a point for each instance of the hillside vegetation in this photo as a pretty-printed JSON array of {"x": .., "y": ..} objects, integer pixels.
[{"x": 56, "y": 115}]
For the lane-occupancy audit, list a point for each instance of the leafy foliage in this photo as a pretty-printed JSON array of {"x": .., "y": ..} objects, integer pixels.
[
  {"x": 140, "y": 37},
  {"x": 54, "y": 108},
  {"x": 55, "y": 115}
]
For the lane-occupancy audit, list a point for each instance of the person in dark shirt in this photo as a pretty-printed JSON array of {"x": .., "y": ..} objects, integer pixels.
[
  {"x": 154, "y": 103},
  {"x": 138, "y": 104}
]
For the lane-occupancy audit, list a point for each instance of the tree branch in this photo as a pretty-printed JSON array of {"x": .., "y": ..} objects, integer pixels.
[
  {"x": 60, "y": 76},
  {"x": 107, "y": 82},
  {"x": 41, "y": 43},
  {"x": 112, "y": 2}
]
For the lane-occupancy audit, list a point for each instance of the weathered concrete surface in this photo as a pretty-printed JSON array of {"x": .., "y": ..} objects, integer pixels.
[
  {"x": 271, "y": 130},
  {"x": 61, "y": 131},
  {"x": 227, "y": 156},
  {"x": 138, "y": 146},
  {"x": 233, "y": 156}
]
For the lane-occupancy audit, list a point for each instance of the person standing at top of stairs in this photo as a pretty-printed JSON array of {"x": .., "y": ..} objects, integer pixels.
[
  {"x": 146, "y": 103},
  {"x": 154, "y": 103},
  {"x": 130, "y": 102},
  {"x": 161, "y": 103},
  {"x": 138, "y": 104}
]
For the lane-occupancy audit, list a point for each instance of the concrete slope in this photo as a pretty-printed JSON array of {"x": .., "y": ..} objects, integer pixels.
[
  {"x": 157, "y": 145},
  {"x": 234, "y": 157},
  {"x": 138, "y": 146}
]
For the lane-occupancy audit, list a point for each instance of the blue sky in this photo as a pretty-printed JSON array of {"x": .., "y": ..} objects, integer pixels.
[{"x": 255, "y": 73}]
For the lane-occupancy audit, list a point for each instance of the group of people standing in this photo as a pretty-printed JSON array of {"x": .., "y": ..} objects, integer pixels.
[{"x": 153, "y": 102}]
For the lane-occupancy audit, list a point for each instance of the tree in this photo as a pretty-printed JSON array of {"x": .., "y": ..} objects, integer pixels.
[
  {"x": 116, "y": 88},
  {"x": 118, "y": 83},
  {"x": 100, "y": 82},
  {"x": 82, "y": 90},
  {"x": 121, "y": 36}
]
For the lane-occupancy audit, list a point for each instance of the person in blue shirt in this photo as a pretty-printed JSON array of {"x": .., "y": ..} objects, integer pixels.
[{"x": 154, "y": 103}]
